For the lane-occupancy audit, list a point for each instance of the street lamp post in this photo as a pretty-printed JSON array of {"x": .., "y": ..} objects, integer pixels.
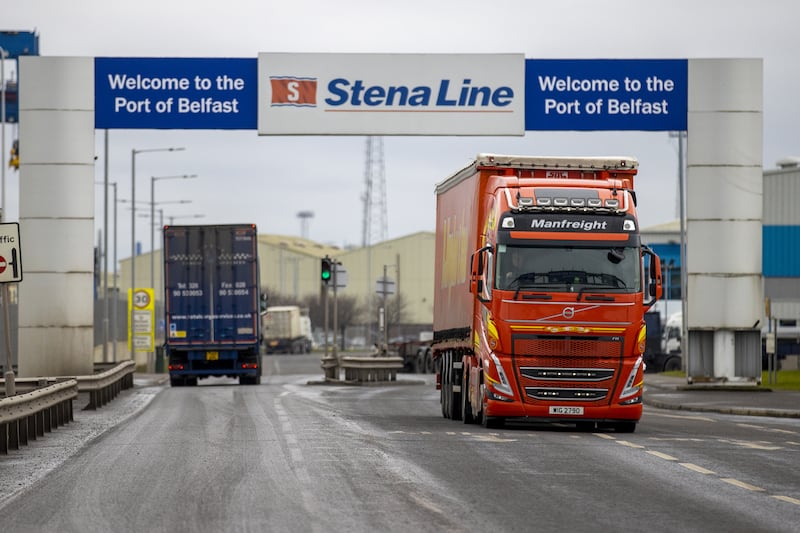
[
  {"x": 134, "y": 152},
  {"x": 153, "y": 180}
]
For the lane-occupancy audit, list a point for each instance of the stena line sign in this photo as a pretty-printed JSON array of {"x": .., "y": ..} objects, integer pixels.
[{"x": 391, "y": 94}]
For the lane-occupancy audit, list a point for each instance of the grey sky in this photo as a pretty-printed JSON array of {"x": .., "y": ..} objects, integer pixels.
[{"x": 268, "y": 180}]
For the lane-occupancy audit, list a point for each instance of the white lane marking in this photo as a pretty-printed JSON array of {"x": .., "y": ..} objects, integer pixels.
[
  {"x": 683, "y": 417},
  {"x": 629, "y": 444},
  {"x": 742, "y": 484},
  {"x": 696, "y": 468},
  {"x": 787, "y": 499},
  {"x": 662, "y": 455}
]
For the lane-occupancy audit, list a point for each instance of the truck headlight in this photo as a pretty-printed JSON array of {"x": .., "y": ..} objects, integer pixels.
[
  {"x": 500, "y": 384},
  {"x": 632, "y": 386}
]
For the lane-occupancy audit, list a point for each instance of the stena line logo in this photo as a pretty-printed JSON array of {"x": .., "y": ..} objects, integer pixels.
[
  {"x": 291, "y": 91},
  {"x": 460, "y": 95},
  {"x": 343, "y": 94}
]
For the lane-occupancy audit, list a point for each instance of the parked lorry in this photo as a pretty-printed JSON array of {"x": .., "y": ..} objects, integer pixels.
[
  {"x": 541, "y": 285},
  {"x": 286, "y": 329},
  {"x": 211, "y": 284},
  {"x": 416, "y": 353}
]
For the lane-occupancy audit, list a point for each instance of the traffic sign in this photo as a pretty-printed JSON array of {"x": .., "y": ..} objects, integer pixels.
[
  {"x": 384, "y": 286},
  {"x": 141, "y": 299},
  {"x": 10, "y": 255}
]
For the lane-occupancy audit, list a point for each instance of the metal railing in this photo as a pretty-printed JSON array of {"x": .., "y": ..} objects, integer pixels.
[
  {"x": 371, "y": 369},
  {"x": 43, "y": 404}
]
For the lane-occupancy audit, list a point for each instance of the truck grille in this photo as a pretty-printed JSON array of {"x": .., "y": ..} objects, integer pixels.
[{"x": 567, "y": 368}]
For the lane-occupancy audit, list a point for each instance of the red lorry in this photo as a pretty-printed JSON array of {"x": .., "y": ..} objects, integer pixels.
[{"x": 541, "y": 286}]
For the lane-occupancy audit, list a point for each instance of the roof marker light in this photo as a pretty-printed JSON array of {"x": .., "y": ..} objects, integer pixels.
[{"x": 525, "y": 201}]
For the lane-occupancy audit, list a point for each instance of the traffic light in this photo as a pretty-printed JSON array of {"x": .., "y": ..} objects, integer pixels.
[{"x": 325, "y": 270}]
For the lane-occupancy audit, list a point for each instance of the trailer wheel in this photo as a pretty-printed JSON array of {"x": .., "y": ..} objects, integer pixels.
[
  {"x": 176, "y": 382},
  {"x": 454, "y": 403},
  {"x": 430, "y": 366},
  {"x": 444, "y": 394}
]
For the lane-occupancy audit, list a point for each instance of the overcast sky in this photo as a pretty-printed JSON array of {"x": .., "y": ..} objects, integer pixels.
[{"x": 268, "y": 180}]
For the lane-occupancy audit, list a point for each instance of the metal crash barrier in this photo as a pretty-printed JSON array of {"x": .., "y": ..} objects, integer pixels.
[
  {"x": 29, "y": 415},
  {"x": 105, "y": 386},
  {"x": 371, "y": 369},
  {"x": 43, "y": 404}
]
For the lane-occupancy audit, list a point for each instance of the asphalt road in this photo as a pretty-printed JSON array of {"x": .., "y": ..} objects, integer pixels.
[{"x": 292, "y": 456}]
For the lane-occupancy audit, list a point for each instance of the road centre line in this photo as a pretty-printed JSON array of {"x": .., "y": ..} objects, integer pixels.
[
  {"x": 787, "y": 499},
  {"x": 683, "y": 417},
  {"x": 697, "y": 468},
  {"x": 742, "y": 484},
  {"x": 629, "y": 444},
  {"x": 662, "y": 455}
]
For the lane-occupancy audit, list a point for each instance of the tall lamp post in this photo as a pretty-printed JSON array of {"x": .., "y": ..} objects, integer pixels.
[
  {"x": 134, "y": 153},
  {"x": 153, "y": 180}
]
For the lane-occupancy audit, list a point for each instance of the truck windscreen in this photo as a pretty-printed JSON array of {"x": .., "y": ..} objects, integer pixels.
[{"x": 570, "y": 269}]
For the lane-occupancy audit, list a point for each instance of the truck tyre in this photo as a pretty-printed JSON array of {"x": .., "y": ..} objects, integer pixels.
[
  {"x": 445, "y": 391},
  {"x": 176, "y": 382},
  {"x": 429, "y": 364},
  {"x": 624, "y": 427},
  {"x": 466, "y": 407},
  {"x": 454, "y": 403},
  {"x": 672, "y": 364},
  {"x": 493, "y": 422}
]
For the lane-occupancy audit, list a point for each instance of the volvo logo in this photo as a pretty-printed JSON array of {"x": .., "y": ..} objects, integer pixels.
[{"x": 568, "y": 312}]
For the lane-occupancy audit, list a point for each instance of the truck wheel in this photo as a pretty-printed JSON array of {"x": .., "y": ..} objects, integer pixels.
[
  {"x": 466, "y": 406},
  {"x": 454, "y": 403},
  {"x": 445, "y": 393},
  {"x": 176, "y": 382},
  {"x": 672, "y": 364},
  {"x": 429, "y": 364},
  {"x": 493, "y": 422},
  {"x": 624, "y": 427}
]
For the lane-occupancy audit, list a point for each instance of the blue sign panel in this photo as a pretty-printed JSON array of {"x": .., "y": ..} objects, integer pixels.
[
  {"x": 606, "y": 94},
  {"x": 176, "y": 93},
  {"x": 19, "y": 43}
]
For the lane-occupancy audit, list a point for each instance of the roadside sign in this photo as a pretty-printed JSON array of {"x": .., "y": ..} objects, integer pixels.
[
  {"x": 141, "y": 320},
  {"x": 10, "y": 255},
  {"x": 341, "y": 277},
  {"x": 384, "y": 286}
]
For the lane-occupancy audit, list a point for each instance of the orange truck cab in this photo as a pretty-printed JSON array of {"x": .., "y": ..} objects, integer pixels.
[{"x": 541, "y": 287}]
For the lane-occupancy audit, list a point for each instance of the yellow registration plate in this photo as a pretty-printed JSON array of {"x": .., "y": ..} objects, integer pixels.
[{"x": 212, "y": 356}]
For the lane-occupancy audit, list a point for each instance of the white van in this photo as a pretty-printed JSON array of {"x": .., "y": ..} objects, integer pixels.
[{"x": 671, "y": 342}]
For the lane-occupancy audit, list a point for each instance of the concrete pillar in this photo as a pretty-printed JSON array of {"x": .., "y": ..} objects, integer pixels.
[
  {"x": 724, "y": 214},
  {"x": 56, "y": 215}
]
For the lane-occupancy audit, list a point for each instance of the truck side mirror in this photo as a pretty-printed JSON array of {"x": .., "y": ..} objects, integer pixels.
[
  {"x": 654, "y": 283},
  {"x": 478, "y": 270}
]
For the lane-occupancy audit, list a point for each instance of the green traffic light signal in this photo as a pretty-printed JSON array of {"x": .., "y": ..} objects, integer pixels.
[{"x": 325, "y": 271}]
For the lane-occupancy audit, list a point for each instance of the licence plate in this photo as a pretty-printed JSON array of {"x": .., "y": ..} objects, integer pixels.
[
  {"x": 566, "y": 410},
  {"x": 212, "y": 356}
]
